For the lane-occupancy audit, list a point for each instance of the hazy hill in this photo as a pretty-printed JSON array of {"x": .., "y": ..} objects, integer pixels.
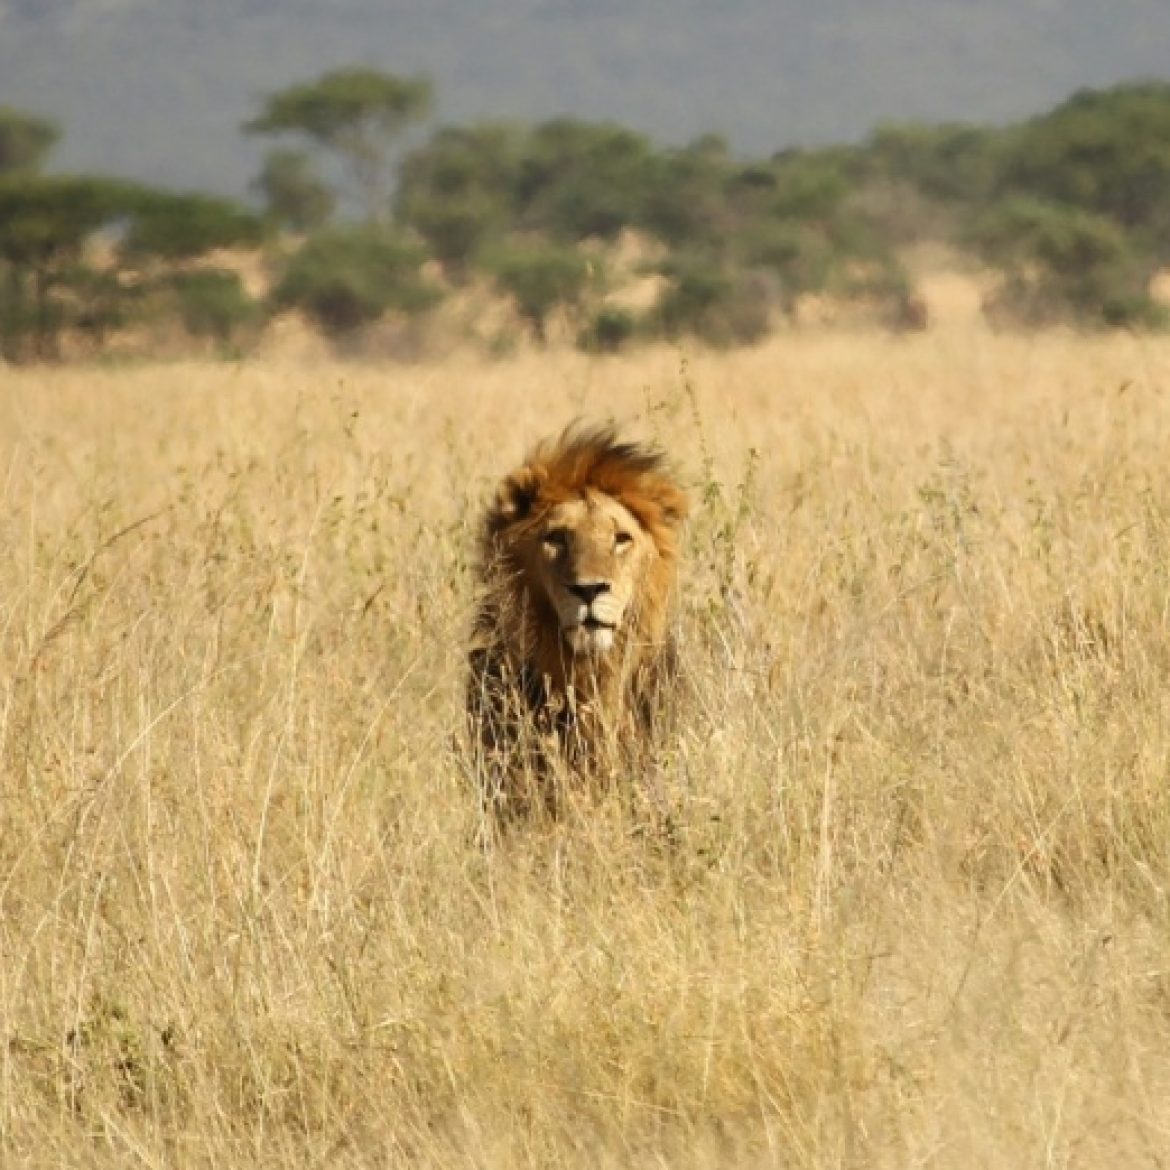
[{"x": 156, "y": 89}]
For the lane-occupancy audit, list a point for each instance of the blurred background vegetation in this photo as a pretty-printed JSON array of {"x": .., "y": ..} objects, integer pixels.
[{"x": 1066, "y": 214}]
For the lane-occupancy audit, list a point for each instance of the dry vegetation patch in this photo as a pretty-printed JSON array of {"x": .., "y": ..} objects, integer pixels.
[{"x": 913, "y": 906}]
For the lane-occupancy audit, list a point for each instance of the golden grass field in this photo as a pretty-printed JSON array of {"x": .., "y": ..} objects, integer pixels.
[{"x": 915, "y": 909}]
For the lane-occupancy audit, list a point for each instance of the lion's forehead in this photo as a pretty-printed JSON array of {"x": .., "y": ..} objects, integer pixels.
[{"x": 592, "y": 514}]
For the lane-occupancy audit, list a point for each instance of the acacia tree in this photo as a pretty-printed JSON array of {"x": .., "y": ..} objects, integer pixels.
[
  {"x": 53, "y": 282},
  {"x": 44, "y": 225},
  {"x": 355, "y": 115},
  {"x": 50, "y": 285}
]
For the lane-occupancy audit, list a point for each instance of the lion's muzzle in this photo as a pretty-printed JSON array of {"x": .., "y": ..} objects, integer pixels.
[{"x": 590, "y": 618}]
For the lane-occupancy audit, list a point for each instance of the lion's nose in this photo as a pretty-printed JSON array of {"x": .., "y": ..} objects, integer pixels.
[{"x": 589, "y": 591}]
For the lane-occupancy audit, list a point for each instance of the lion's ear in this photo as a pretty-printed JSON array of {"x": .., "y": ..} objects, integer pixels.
[{"x": 518, "y": 494}]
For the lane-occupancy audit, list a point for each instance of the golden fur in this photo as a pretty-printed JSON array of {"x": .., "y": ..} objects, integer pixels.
[{"x": 572, "y": 650}]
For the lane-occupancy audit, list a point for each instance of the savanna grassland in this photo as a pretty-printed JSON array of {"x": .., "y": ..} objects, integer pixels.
[{"x": 912, "y": 905}]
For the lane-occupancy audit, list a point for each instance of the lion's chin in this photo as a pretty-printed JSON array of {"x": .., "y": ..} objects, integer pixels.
[{"x": 590, "y": 638}]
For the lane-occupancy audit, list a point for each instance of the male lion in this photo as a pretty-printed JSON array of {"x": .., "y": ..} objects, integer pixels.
[{"x": 571, "y": 653}]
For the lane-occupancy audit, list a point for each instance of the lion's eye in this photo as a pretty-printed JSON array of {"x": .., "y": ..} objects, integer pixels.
[
  {"x": 556, "y": 541},
  {"x": 622, "y": 541}
]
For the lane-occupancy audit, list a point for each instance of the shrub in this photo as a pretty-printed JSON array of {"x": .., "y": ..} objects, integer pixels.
[
  {"x": 349, "y": 277},
  {"x": 213, "y": 303},
  {"x": 609, "y": 330},
  {"x": 540, "y": 278},
  {"x": 719, "y": 305},
  {"x": 1058, "y": 262},
  {"x": 456, "y": 230},
  {"x": 799, "y": 255}
]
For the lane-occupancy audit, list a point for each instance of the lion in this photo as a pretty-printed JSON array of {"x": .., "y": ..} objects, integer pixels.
[{"x": 572, "y": 652}]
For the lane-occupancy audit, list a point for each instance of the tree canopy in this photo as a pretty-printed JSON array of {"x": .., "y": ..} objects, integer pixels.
[
  {"x": 356, "y": 114},
  {"x": 1069, "y": 211}
]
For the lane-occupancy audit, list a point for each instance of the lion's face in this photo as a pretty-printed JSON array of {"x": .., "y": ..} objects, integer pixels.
[
  {"x": 579, "y": 552},
  {"x": 589, "y": 558}
]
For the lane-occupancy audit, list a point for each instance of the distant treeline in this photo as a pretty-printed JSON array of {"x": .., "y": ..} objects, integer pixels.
[{"x": 1070, "y": 211}]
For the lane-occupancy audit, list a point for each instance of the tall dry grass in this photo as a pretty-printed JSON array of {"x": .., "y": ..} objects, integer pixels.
[{"x": 914, "y": 908}]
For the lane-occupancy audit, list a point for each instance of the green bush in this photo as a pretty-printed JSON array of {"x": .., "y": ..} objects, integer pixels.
[
  {"x": 686, "y": 205},
  {"x": 29, "y": 326},
  {"x": 540, "y": 278},
  {"x": 1103, "y": 151},
  {"x": 801, "y": 256},
  {"x": 213, "y": 303},
  {"x": 349, "y": 277},
  {"x": 954, "y": 163},
  {"x": 100, "y": 302},
  {"x": 456, "y": 231},
  {"x": 719, "y": 305},
  {"x": 609, "y": 330},
  {"x": 1060, "y": 263}
]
